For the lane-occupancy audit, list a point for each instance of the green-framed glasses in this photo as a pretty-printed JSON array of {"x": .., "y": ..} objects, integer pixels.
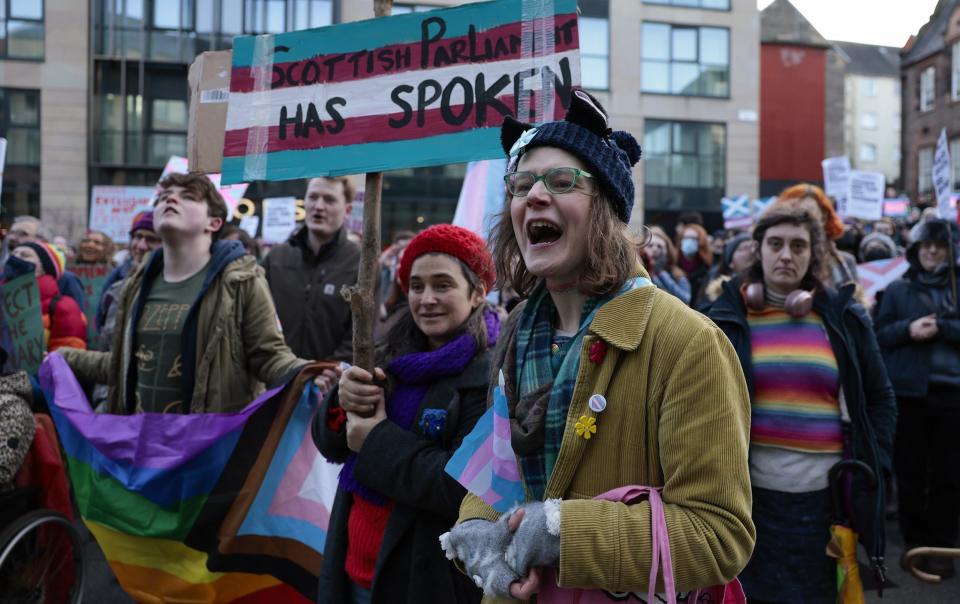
[{"x": 556, "y": 180}]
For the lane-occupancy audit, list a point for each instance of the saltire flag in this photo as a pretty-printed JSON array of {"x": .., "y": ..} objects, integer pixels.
[
  {"x": 482, "y": 196},
  {"x": 736, "y": 212},
  {"x": 760, "y": 206},
  {"x": 211, "y": 507},
  {"x": 485, "y": 463},
  {"x": 877, "y": 275}
]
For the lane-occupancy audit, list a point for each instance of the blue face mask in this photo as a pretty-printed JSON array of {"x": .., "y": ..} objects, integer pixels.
[{"x": 689, "y": 247}]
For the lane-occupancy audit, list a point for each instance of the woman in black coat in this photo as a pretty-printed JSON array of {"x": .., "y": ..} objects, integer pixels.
[
  {"x": 918, "y": 329},
  {"x": 395, "y": 499}
]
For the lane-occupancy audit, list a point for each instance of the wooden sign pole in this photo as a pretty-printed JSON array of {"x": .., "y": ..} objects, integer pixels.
[{"x": 362, "y": 297}]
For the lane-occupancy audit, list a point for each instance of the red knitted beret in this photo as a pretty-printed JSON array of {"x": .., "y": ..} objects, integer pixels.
[{"x": 454, "y": 241}]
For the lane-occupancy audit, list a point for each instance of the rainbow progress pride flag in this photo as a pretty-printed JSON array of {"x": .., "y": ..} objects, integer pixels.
[{"x": 206, "y": 508}]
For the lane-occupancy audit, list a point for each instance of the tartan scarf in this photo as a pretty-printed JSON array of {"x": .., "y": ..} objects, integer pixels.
[{"x": 536, "y": 368}]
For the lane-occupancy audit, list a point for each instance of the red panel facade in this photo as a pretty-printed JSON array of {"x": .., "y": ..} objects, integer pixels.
[{"x": 792, "y": 107}]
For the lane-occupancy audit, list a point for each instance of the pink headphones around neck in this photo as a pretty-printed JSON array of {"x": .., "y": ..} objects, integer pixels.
[{"x": 798, "y": 304}]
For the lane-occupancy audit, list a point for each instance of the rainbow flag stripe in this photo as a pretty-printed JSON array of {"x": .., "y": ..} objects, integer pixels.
[
  {"x": 215, "y": 507},
  {"x": 796, "y": 384}
]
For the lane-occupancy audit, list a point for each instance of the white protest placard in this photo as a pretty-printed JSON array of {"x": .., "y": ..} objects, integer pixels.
[
  {"x": 112, "y": 209},
  {"x": 250, "y": 224},
  {"x": 836, "y": 180},
  {"x": 279, "y": 218},
  {"x": 354, "y": 220},
  {"x": 866, "y": 195},
  {"x": 941, "y": 176}
]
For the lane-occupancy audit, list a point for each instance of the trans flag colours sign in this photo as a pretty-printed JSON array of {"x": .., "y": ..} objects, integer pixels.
[
  {"x": 412, "y": 90},
  {"x": 207, "y": 507}
]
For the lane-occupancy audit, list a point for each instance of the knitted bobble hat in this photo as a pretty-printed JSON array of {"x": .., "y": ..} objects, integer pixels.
[
  {"x": 584, "y": 132},
  {"x": 51, "y": 260},
  {"x": 451, "y": 240}
]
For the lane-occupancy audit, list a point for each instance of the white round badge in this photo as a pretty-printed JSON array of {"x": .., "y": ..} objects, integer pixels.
[{"x": 597, "y": 403}]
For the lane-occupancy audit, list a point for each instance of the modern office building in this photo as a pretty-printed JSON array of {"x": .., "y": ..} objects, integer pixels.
[{"x": 109, "y": 78}]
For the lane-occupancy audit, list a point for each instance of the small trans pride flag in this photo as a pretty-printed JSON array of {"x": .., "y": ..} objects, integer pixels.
[{"x": 485, "y": 463}]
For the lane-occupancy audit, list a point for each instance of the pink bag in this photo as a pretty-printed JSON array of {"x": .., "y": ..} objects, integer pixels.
[{"x": 731, "y": 593}]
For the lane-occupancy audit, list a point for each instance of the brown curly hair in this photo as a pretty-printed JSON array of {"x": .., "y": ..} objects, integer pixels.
[
  {"x": 611, "y": 256},
  {"x": 795, "y": 215},
  {"x": 203, "y": 190}
]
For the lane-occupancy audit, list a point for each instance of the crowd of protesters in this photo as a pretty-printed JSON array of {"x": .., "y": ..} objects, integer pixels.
[{"x": 725, "y": 375}]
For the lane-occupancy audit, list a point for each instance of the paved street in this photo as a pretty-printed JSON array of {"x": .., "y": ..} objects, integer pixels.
[{"x": 909, "y": 590}]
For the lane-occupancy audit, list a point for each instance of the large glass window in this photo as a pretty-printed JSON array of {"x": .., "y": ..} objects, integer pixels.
[
  {"x": 20, "y": 125},
  {"x": 594, "y": 28},
  {"x": 405, "y": 8},
  {"x": 955, "y": 161},
  {"x": 868, "y": 153},
  {"x": 178, "y": 30},
  {"x": 925, "y": 170},
  {"x": 687, "y": 61},
  {"x": 955, "y": 71},
  {"x": 709, "y": 4},
  {"x": 21, "y": 29},
  {"x": 927, "y": 88},
  {"x": 685, "y": 159}
]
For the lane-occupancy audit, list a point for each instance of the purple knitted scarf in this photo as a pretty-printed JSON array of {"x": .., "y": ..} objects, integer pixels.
[{"x": 413, "y": 374}]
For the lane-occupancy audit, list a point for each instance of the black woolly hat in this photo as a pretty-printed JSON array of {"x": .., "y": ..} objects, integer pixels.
[{"x": 584, "y": 132}]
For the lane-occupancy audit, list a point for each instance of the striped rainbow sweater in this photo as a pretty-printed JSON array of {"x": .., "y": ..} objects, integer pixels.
[{"x": 796, "y": 384}]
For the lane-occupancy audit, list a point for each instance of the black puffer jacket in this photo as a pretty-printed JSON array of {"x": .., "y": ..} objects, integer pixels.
[
  {"x": 869, "y": 397},
  {"x": 918, "y": 294}
]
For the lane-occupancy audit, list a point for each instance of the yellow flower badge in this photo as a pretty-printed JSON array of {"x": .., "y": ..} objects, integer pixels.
[{"x": 586, "y": 426}]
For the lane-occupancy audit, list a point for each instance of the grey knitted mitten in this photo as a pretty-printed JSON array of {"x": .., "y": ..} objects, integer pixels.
[
  {"x": 537, "y": 540},
  {"x": 480, "y": 544}
]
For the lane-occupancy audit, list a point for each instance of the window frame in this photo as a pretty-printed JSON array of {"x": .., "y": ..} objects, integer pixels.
[
  {"x": 674, "y": 4},
  {"x": 872, "y": 147},
  {"x": 5, "y": 30},
  {"x": 928, "y": 88},
  {"x": 955, "y": 70},
  {"x": 6, "y": 125},
  {"x": 648, "y": 122},
  {"x": 670, "y": 62},
  {"x": 924, "y": 176}
]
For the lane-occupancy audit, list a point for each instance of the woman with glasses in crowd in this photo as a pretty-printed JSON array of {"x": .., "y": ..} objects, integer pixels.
[{"x": 609, "y": 381}]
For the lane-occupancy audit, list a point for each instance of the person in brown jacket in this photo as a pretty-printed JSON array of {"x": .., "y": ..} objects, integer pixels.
[
  {"x": 196, "y": 328},
  {"x": 609, "y": 382}
]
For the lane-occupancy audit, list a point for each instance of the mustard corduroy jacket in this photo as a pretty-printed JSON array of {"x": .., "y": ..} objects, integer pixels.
[{"x": 677, "y": 416}]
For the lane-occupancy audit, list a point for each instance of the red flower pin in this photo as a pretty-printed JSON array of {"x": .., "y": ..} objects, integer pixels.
[{"x": 598, "y": 350}]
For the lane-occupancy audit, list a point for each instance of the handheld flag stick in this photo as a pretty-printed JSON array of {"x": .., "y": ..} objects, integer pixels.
[{"x": 362, "y": 297}]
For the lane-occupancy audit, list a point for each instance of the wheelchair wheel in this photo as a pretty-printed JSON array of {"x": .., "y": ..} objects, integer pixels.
[{"x": 41, "y": 560}]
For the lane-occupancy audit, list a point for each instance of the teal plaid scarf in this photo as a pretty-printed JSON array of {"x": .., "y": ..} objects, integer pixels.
[{"x": 537, "y": 367}]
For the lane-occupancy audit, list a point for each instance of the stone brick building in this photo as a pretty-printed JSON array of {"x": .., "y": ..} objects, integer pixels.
[{"x": 930, "y": 85}]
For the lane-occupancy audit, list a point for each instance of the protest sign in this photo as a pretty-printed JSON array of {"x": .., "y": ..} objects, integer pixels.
[
  {"x": 92, "y": 276},
  {"x": 866, "y": 195},
  {"x": 419, "y": 89},
  {"x": 23, "y": 323},
  {"x": 736, "y": 212},
  {"x": 279, "y": 218},
  {"x": 250, "y": 224},
  {"x": 877, "y": 275},
  {"x": 112, "y": 209},
  {"x": 232, "y": 194},
  {"x": 896, "y": 207},
  {"x": 836, "y": 181},
  {"x": 941, "y": 176},
  {"x": 354, "y": 220}
]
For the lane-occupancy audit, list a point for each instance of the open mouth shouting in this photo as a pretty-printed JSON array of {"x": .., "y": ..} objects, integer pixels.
[{"x": 541, "y": 233}]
